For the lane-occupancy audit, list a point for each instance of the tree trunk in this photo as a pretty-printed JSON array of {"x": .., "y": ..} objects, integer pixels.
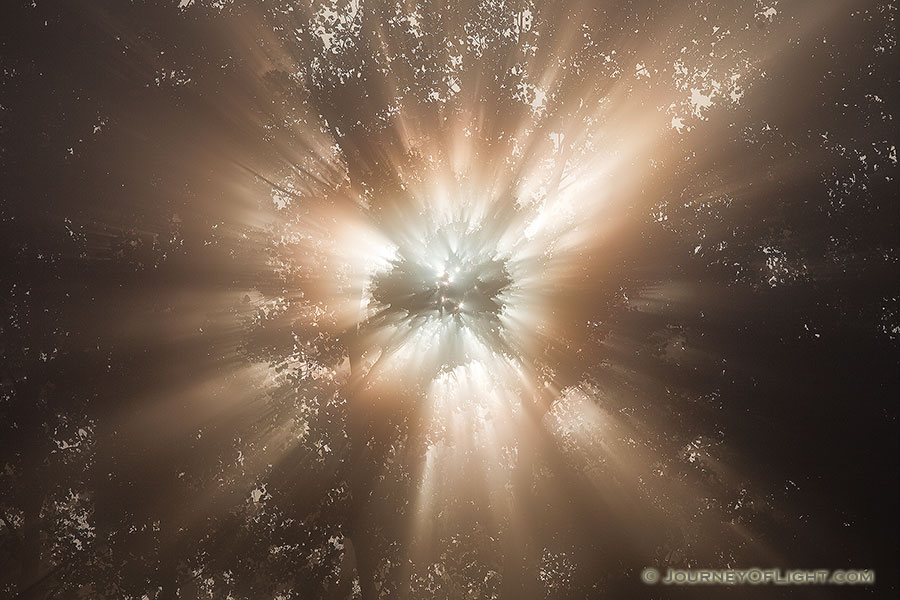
[{"x": 32, "y": 585}]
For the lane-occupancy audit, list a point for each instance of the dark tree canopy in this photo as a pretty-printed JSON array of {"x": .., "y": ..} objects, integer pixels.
[{"x": 478, "y": 299}]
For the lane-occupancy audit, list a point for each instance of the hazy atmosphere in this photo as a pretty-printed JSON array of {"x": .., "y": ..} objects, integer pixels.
[{"x": 489, "y": 299}]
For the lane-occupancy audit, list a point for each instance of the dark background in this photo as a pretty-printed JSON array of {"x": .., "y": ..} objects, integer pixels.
[{"x": 136, "y": 261}]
